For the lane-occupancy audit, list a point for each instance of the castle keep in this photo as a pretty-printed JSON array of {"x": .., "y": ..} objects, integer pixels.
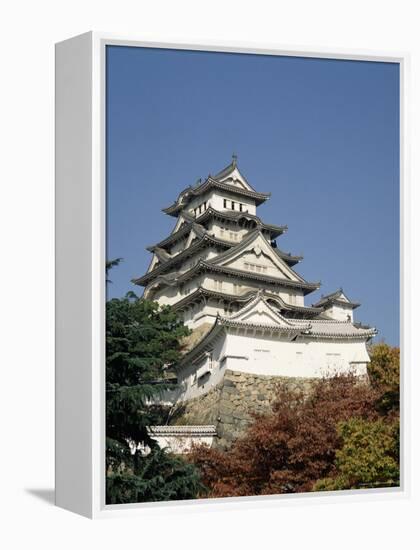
[{"x": 239, "y": 292}]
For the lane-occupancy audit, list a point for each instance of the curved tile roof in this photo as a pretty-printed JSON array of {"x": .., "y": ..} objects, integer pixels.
[
  {"x": 338, "y": 330},
  {"x": 275, "y": 230},
  {"x": 206, "y": 266},
  {"x": 210, "y": 183},
  {"x": 246, "y": 297},
  {"x": 173, "y": 260},
  {"x": 334, "y": 298},
  {"x": 183, "y": 430}
]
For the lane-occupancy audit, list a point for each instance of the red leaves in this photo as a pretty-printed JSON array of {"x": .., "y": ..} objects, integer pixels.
[{"x": 290, "y": 449}]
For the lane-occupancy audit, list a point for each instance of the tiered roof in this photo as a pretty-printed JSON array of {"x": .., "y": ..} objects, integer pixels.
[
  {"x": 221, "y": 264},
  {"x": 289, "y": 309},
  {"x": 335, "y": 298},
  {"x": 172, "y": 261},
  {"x": 223, "y": 181},
  {"x": 210, "y": 183},
  {"x": 166, "y": 268},
  {"x": 259, "y": 316},
  {"x": 211, "y": 213}
]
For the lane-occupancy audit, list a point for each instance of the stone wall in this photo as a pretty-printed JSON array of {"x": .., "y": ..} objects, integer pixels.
[{"x": 231, "y": 404}]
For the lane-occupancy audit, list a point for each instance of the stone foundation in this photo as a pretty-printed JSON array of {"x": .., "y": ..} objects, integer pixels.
[{"x": 231, "y": 404}]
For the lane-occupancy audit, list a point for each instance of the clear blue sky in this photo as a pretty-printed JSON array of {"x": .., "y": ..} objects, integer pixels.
[{"x": 321, "y": 135}]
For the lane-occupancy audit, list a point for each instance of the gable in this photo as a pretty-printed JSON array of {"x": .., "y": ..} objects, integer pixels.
[
  {"x": 154, "y": 261},
  {"x": 191, "y": 237},
  {"x": 180, "y": 222},
  {"x": 343, "y": 298},
  {"x": 257, "y": 256},
  {"x": 237, "y": 179},
  {"x": 260, "y": 314}
]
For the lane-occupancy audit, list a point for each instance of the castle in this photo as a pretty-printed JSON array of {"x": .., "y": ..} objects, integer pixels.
[{"x": 238, "y": 292}]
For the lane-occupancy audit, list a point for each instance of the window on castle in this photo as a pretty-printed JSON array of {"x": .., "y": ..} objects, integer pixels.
[
  {"x": 233, "y": 205},
  {"x": 255, "y": 267},
  {"x": 240, "y": 207},
  {"x": 224, "y": 203}
]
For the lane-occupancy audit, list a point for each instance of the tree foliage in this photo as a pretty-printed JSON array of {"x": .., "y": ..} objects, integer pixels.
[
  {"x": 142, "y": 340},
  {"x": 156, "y": 477},
  {"x": 369, "y": 456},
  {"x": 344, "y": 435},
  {"x": 384, "y": 374},
  {"x": 289, "y": 450},
  {"x": 109, "y": 265}
]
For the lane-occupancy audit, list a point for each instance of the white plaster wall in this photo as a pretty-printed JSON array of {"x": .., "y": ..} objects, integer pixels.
[
  {"x": 224, "y": 229},
  {"x": 170, "y": 295},
  {"x": 275, "y": 357},
  {"x": 164, "y": 296},
  {"x": 341, "y": 313},
  {"x": 197, "y": 315},
  {"x": 217, "y": 202},
  {"x": 280, "y": 357},
  {"x": 281, "y": 270},
  {"x": 290, "y": 296},
  {"x": 195, "y": 202},
  {"x": 192, "y": 388},
  {"x": 179, "y": 246},
  {"x": 181, "y": 444},
  {"x": 205, "y": 254}
]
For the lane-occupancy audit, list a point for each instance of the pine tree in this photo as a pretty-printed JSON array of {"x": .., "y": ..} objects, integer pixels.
[{"x": 142, "y": 340}]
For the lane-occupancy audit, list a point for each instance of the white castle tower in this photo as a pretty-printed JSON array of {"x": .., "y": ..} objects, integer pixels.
[{"x": 221, "y": 269}]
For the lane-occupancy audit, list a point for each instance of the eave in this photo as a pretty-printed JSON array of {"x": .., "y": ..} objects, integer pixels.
[
  {"x": 207, "y": 240},
  {"x": 287, "y": 257},
  {"x": 275, "y": 230},
  {"x": 252, "y": 237},
  {"x": 333, "y": 299},
  {"x": 247, "y": 275},
  {"x": 302, "y": 330},
  {"x": 201, "y": 293},
  {"x": 211, "y": 183}
]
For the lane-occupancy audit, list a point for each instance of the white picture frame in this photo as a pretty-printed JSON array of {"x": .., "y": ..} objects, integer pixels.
[{"x": 80, "y": 275}]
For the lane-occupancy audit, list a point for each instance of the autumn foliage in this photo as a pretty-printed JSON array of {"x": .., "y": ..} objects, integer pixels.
[{"x": 340, "y": 436}]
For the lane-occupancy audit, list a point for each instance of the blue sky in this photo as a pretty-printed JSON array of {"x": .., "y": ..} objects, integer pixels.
[{"x": 321, "y": 135}]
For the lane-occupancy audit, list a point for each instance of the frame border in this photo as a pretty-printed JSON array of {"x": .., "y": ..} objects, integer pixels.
[{"x": 94, "y": 407}]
